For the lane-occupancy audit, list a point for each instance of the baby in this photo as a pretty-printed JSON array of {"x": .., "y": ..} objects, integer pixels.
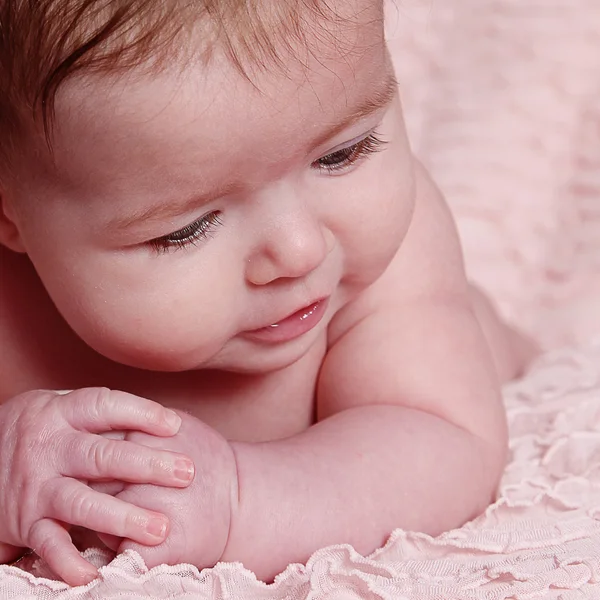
[{"x": 213, "y": 230}]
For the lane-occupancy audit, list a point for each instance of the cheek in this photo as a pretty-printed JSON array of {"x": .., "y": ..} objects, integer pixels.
[
  {"x": 379, "y": 220},
  {"x": 160, "y": 320}
]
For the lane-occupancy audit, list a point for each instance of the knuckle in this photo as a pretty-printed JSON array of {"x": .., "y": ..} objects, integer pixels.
[
  {"x": 100, "y": 401},
  {"x": 138, "y": 459},
  {"x": 104, "y": 398},
  {"x": 143, "y": 408},
  {"x": 151, "y": 462},
  {"x": 42, "y": 538},
  {"x": 92, "y": 401},
  {"x": 101, "y": 455},
  {"x": 44, "y": 547},
  {"x": 78, "y": 505},
  {"x": 133, "y": 519},
  {"x": 37, "y": 541}
]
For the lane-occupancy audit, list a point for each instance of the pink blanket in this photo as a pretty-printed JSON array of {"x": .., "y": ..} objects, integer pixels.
[{"x": 503, "y": 104}]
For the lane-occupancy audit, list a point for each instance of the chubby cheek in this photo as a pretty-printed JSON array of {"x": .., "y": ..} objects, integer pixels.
[
  {"x": 157, "y": 323},
  {"x": 380, "y": 220}
]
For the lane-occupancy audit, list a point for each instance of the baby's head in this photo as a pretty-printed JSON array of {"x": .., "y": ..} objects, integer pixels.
[{"x": 182, "y": 173}]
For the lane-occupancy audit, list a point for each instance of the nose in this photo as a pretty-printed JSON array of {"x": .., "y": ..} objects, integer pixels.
[{"x": 291, "y": 247}]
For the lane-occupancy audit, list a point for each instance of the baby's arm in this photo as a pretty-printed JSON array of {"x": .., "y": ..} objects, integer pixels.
[{"x": 411, "y": 433}]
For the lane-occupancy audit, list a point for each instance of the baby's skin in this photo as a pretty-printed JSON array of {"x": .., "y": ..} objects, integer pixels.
[{"x": 267, "y": 256}]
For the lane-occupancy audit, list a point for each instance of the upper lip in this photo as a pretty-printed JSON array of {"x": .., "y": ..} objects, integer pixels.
[{"x": 289, "y": 314}]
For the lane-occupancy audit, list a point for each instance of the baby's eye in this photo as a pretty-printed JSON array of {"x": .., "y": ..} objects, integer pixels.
[
  {"x": 346, "y": 157},
  {"x": 189, "y": 235}
]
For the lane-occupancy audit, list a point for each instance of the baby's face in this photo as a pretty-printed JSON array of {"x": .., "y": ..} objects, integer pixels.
[{"x": 189, "y": 210}]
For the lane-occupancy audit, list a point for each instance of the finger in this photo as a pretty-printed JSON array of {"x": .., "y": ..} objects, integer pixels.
[
  {"x": 76, "y": 504},
  {"x": 101, "y": 409},
  {"x": 95, "y": 457},
  {"x": 52, "y": 542},
  {"x": 112, "y": 488},
  {"x": 110, "y": 541}
]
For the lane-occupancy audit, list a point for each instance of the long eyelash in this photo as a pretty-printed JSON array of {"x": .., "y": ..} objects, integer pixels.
[
  {"x": 352, "y": 154},
  {"x": 189, "y": 235}
]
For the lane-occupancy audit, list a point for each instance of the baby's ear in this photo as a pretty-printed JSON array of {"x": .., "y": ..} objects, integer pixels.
[{"x": 9, "y": 232}]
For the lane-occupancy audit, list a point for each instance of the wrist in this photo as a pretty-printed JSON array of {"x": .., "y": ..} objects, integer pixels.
[{"x": 217, "y": 484}]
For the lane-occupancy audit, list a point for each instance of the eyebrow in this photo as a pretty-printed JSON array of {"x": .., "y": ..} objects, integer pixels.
[
  {"x": 170, "y": 209},
  {"x": 377, "y": 99}
]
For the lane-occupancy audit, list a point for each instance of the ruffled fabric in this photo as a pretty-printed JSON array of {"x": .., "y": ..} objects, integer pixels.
[{"x": 541, "y": 539}]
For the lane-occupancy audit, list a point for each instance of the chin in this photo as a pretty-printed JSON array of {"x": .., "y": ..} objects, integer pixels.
[
  {"x": 237, "y": 355},
  {"x": 156, "y": 360},
  {"x": 248, "y": 358},
  {"x": 256, "y": 366}
]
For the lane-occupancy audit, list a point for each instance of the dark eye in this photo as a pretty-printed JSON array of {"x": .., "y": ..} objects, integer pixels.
[
  {"x": 189, "y": 235},
  {"x": 346, "y": 157}
]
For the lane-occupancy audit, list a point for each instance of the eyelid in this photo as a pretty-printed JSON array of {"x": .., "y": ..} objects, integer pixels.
[
  {"x": 349, "y": 143},
  {"x": 346, "y": 158},
  {"x": 193, "y": 233}
]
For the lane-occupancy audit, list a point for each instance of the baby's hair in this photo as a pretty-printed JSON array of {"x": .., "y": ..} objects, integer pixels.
[{"x": 44, "y": 42}]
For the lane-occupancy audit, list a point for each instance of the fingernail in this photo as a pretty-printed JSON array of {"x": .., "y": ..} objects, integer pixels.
[
  {"x": 157, "y": 527},
  {"x": 184, "y": 470},
  {"x": 173, "y": 420}
]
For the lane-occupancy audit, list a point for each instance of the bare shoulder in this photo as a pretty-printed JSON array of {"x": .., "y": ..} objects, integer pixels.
[{"x": 412, "y": 339}]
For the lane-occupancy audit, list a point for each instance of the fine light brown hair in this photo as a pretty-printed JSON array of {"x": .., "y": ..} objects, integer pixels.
[{"x": 45, "y": 42}]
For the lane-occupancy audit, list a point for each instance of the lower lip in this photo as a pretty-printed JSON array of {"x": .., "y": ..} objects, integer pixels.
[{"x": 293, "y": 326}]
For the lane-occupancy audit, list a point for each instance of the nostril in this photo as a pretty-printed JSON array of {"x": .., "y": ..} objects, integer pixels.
[{"x": 289, "y": 252}]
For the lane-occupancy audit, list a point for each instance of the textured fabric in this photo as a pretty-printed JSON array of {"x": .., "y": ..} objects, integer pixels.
[{"x": 503, "y": 104}]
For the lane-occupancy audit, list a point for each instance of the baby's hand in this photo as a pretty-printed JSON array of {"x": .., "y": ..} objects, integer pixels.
[
  {"x": 50, "y": 447},
  {"x": 199, "y": 515}
]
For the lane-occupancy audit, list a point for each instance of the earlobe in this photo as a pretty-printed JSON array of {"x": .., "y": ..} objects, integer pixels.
[{"x": 9, "y": 232}]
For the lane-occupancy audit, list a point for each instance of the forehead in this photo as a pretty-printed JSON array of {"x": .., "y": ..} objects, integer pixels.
[{"x": 209, "y": 107}]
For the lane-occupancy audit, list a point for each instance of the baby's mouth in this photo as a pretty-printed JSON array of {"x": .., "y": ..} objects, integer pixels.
[
  {"x": 303, "y": 313},
  {"x": 292, "y": 326}
]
